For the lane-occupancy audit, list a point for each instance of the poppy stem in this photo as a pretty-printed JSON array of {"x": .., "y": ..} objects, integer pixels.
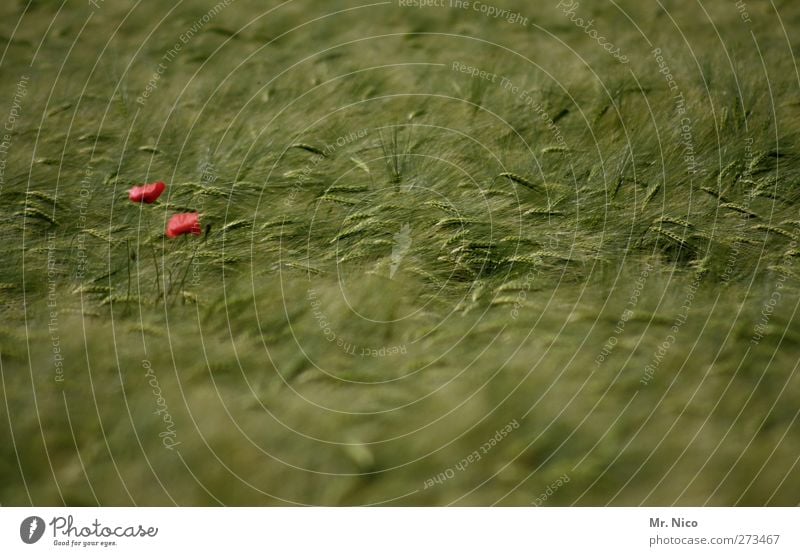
[
  {"x": 158, "y": 275},
  {"x": 147, "y": 228},
  {"x": 186, "y": 272},
  {"x": 128, "y": 257}
]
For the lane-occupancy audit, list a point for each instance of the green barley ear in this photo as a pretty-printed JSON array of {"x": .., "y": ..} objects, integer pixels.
[
  {"x": 676, "y": 239},
  {"x": 743, "y": 239},
  {"x": 558, "y": 200},
  {"x": 764, "y": 192},
  {"x": 361, "y": 215},
  {"x": 740, "y": 209},
  {"x": 776, "y": 230},
  {"x": 347, "y": 189},
  {"x": 102, "y": 235},
  {"x": 542, "y": 212},
  {"x": 516, "y": 178},
  {"x": 713, "y": 193},
  {"x": 360, "y": 164},
  {"x": 675, "y": 221},
  {"x": 90, "y": 289},
  {"x": 556, "y": 149},
  {"x": 650, "y": 194},
  {"x": 120, "y": 299},
  {"x": 534, "y": 259},
  {"x": 444, "y": 207},
  {"x": 452, "y": 222},
  {"x": 370, "y": 225},
  {"x": 46, "y": 197},
  {"x": 303, "y": 267},
  {"x": 339, "y": 200},
  {"x": 309, "y": 148},
  {"x": 784, "y": 270},
  {"x": 36, "y": 214},
  {"x": 233, "y": 225},
  {"x": 458, "y": 236}
]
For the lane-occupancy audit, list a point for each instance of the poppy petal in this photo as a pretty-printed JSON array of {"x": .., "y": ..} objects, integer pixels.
[
  {"x": 147, "y": 193},
  {"x": 181, "y": 224}
]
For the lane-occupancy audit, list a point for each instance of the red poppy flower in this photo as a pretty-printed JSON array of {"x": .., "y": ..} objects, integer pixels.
[
  {"x": 186, "y": 223},
  {"x": 147, "y": 193}
]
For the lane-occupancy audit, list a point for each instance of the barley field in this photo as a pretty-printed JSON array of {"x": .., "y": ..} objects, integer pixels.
[{"x": 427, "y": 253}]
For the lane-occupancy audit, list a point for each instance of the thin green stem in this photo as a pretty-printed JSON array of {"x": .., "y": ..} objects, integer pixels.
[
  {"x": 128, "y": 257},
  {"x": 186, "y": 272}
]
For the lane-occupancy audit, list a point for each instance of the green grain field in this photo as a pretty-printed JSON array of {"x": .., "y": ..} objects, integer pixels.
[{"x": 500, "y": 253}]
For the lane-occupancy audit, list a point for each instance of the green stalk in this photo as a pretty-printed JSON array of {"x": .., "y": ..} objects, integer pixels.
[
  {"x": 158, "y": 275},
  {"x": 128, "y": 257},
  {"x": 186, "y": 272}
]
